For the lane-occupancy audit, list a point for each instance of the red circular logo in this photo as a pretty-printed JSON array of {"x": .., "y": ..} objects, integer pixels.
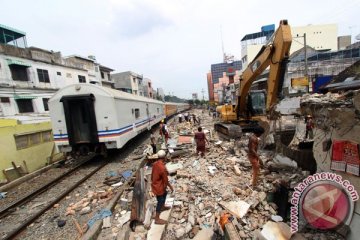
[{"x": 325, "y": 206}]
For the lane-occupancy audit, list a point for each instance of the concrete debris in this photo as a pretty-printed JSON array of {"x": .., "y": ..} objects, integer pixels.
[
  {"x": 276, "y": 218},
  {"x": 124, "y": 218},
  {"x": 237, "y": 208},
  {"x": 205, "y": 187},
  {"x": 276, "y": 231},
  {"x": 106, "y": 222},
  {"x": 85, "y": 210}
]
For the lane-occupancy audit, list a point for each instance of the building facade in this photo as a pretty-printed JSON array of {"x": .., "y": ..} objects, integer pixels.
[
  {"x": 223, "y": 74},
  {"x": 147, "y": 88},
  {"x": 30, "y": 76},
  {"x": 129, "y": 81},
  {"x": 319, "y": 37}
]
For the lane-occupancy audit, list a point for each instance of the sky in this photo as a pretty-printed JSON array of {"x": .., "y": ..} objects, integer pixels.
[{"x": 172, "y": 42}]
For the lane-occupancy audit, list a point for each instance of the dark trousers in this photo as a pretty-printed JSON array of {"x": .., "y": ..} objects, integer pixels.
[
  {"x": 160, "y": 201},
  {"x": 153, "y": 147}
]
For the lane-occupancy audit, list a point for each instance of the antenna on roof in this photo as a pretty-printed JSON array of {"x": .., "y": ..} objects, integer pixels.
[{"x": 222, "y": 44}]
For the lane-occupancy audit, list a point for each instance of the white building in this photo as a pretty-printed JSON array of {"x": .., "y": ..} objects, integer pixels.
[
  {"x": 30, "y": 76},
  {"x": 128, "y": 82},
  {"x": 160, "y": 94},
  {"x": 147, "y": 88},
  {"x": 320, "y": 37}
]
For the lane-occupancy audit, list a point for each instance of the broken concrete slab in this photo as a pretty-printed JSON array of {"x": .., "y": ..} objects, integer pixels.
[
  {"x": 173, "y": 167},
  {"x": 204, "y": 234},
  {"x": 276, "y": 231},
  {"x": 237, "y": 208},
  {"x": 156, "y": 231}
]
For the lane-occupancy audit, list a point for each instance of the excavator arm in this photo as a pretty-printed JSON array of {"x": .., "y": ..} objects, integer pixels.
[{"x": 276, "y": 56}]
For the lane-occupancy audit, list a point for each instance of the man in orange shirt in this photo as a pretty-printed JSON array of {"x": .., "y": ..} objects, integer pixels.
[
  {"x": 159, "y": 183},
  {"x": 253, "y": 155}
]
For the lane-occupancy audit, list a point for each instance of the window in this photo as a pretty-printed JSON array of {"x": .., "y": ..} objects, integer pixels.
[
  {"x": 82, "y": 79},
  {"x": 137, "y": 113},
  {"x": 134, "y": 80},
  {"x": 102, "y": 75},
  {"x": 58, "y": 73},
  {"x": 109, "y": 77},
  {"x": 4, "y": 99},
  {"x": 30, "y": 139},
  {"x": 18, "y": 73},
  {"x": 43, "y": 75},
  {"x": 158, "y": 110},
  {"x": 46, "y": 103},
  {"x": 25, "y": 105}
]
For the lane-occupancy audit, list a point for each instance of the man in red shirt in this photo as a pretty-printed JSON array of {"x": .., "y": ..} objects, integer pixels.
[
  {"x": 200, "y": 139},
  {"x": 159, "y": 183},
  {"x": 253, "y": 156}
]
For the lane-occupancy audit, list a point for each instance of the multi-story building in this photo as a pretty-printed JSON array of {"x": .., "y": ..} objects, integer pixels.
[
  {"x": 105, "y": 74},
  {"x": 160, "y": 94},
  {"x": 28, "y": 78},
  {"x": 223, "y": 74},
  {"x": 147, "y": 88},
  {"x": 319, "y": 37},
  {"x": 128, "y": 82},
  {"x": 320, "y": 68}
]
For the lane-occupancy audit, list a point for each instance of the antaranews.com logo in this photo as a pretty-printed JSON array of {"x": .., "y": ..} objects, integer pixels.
[{"x": 323, "y": 201}]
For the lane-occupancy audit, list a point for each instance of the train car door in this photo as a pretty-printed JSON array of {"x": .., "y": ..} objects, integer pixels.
[{"x": 80, "y": 119}]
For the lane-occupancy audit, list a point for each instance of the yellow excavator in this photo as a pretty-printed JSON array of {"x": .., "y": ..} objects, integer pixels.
[{"x": 252, "y": 106}]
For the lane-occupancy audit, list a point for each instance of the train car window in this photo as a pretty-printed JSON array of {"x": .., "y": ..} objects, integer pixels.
[{"x": 137, "y": 113}]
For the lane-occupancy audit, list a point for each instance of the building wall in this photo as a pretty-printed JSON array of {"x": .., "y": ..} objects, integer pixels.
[
  {"x": 130, "y": 81},
  {"x": 319, "y": 37},
  {"x": 210, "y": 86},
  {"x": 248, "y": 53},
  {"x": 35, "y": 156},
  {"x": 344, "y": 42}
]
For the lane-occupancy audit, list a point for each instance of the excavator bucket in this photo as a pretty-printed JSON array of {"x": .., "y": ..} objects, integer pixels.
[{"x": 229, "y": 130}]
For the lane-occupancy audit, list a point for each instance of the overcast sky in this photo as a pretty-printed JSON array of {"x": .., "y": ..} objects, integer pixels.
[{"x": 172, "y": 42}]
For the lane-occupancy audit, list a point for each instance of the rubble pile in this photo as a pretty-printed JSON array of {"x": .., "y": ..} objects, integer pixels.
[{"x": 207, "y": 187}]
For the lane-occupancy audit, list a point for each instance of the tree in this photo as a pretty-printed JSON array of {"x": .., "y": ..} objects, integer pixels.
[{"x": 191, "y": 102}]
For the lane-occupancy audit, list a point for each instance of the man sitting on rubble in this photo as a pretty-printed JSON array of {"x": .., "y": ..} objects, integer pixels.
[
  {"x": 253, "y": 156},
  {"x": 159, "y": 183},
  {"x": 200, "y": 139}
]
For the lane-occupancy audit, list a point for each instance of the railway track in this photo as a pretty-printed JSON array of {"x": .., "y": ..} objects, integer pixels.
[{"x": 30, "y": 207}]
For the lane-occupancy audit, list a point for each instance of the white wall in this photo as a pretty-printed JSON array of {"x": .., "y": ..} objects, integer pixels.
[{"x": 318, "y": 37}]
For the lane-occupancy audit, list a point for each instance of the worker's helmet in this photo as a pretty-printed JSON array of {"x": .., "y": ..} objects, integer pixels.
[
  {"x": 309, "y": 116},
  {"x": 162, "y": 121},
  {"x": 161, "y": 154}
]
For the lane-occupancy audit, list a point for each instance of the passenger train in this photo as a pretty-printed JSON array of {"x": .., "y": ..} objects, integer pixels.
[{"x": 89, "y": 118}]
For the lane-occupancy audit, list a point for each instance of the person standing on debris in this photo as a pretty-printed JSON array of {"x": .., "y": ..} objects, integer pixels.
[
  {"x": 186, "y": 117},
  {"x": 164, "y": 132},
  {"x": 309, "y": 127},
  {"x": 159, "y": 183},
  {"x": 253, "y": 156},
  {"x": 200, "y": 140},
  {"x": 153, "y": 140},
  {"x": 180, "y": 116}
]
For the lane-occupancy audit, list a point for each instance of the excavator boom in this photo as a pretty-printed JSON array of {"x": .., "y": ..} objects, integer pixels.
[{"x": 275, "y": 55}]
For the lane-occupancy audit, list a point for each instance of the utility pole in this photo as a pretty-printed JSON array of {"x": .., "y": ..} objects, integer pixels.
[
  {"x": 202, "y": 91},
  {"x": 305, "y": 55}
]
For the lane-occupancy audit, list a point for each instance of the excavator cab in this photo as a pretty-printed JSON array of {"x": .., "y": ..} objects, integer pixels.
[{"x": 256, "y": 103}]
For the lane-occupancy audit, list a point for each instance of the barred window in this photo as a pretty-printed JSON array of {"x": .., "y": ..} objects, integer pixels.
[{"x": 43, "y": 75}]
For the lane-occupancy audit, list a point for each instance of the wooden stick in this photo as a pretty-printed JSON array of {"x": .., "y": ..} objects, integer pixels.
[{"x": 78, "y": 227}]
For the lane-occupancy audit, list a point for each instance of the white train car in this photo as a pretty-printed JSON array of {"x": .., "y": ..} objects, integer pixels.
[{"x": 87, "y": 117}]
